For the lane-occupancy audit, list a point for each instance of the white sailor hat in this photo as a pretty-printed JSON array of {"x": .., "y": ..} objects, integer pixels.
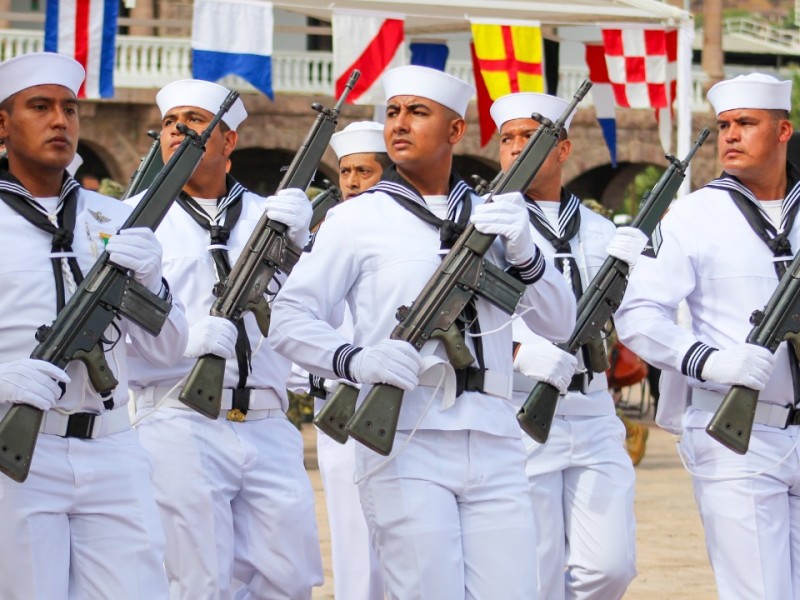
[
  {"x": 358, "y": 137},
  {"x": 202, "y": 94},
  {"x": 39, "y": 68},
  {"x": 756, "y": 90},
  {"x": 522, "y": 104},
  {"x": 413, "y": 80}
]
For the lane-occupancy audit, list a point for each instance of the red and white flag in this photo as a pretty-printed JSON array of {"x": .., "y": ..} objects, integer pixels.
[
  {"x": 642, "y": 68},
  {"x": 370, "y": 42}
]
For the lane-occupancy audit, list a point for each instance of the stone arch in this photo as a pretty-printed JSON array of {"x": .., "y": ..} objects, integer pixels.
[
  {"x": 98, "y": 161},
  {"x": 606, "y": 184}
]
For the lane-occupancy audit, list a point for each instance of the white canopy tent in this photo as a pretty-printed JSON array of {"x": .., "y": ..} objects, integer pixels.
[{"x": 424, "y": 17}]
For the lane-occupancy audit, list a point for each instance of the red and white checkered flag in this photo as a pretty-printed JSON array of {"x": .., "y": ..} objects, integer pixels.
[{"x": 642, "y": 68}]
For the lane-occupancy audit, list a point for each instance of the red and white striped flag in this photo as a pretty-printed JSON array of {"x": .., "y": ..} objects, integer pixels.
[
  {"x": 603, "y": 97},
  {"x": 642, "y": 68},
  {"x": 86, "y": 30},
  {"x": 370, "y": 42}
]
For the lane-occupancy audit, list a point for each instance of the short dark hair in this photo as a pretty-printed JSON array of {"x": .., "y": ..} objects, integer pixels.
[{"x": 382, "y": 158}]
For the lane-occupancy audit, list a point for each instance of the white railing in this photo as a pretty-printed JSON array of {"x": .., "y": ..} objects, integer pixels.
[
  {"x": 786, "y": 38},
  {"x": 152, "y": 62}
]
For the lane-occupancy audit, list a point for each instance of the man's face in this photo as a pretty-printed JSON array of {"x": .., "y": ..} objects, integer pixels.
[
  {"x": 358, "y": 172},
  {"x": 41, "y": 129},
  {"x": 514, "y": 135},
  {"x": 218, "y": 147},
  {"x": 749, "y": 139},
  {"x": 420, "y": 132}
]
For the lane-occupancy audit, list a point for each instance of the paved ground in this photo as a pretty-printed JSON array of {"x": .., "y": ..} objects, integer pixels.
[{"x": 672, "y": 562}]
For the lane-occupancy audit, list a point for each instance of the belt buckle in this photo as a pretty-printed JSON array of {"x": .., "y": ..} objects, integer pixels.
[
  {"x": 80, "y": 425},
  {"x": 792, "y": 417},
  {"x": 236, "y": 415}
]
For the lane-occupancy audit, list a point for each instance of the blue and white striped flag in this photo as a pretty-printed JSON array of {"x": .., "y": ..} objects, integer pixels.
[{"x": 233, "y": 37}]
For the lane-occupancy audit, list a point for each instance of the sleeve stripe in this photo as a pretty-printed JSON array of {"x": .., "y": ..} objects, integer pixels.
[
  {"x": 341, "y": 360},
  {"x": 695, "y": 360},
  {"x": 531, "y": 271}
]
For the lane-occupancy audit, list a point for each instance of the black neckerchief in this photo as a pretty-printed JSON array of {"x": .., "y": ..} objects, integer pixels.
[
  {"x": 569, "y": 223},
  {"x": 459, "y": 203},
  {"x": 230, "y": 206},
  {"x": 13, "y": 193},
  {"x": 777, "y": 240}
]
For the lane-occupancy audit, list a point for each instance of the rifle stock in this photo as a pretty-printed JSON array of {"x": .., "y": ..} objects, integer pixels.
[
  {"x": 458, "y": 279},
  {"x": 603, "y": 296},
  {"x": 106, "y": 292},
  {"x": 266, "y": 253}
]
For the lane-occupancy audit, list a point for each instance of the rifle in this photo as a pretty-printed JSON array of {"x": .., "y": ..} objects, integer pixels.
[
  {"x": 266, "y": 253},
  {"x": 463, "y": 274},
  {"x": 107, "y": 292},
  {"x": 732, "y": 424},
  {"x": 148, "y": 168},
  {"x": 323, "y": 202},
  {"x": 484, "y": 187},
  {"x": 602, "y": 298}
]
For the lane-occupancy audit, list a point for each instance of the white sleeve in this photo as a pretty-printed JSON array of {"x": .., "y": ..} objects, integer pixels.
[
  {"x": 318, "y": 284},
  {"x": 646, "y": 319}
]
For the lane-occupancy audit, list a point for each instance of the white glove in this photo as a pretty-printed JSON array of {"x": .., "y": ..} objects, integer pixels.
[
  {"x": 212, "y": 335},
  {"x": 292, "y": 208},
  {"x": 507, "y": 217},
  {"x": 546, "y": 362},
  {"x": 627, "y": 245},
  {"x": 744, "y": 364},
  {"x": 138, "y": 249},
  {"x": 389, "y": 361},
  {"x": 31, "y": 381}
]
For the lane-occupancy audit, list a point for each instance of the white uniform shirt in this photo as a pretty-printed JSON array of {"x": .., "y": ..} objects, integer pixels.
[
  {"x": 709, "y": 255},
  {"x": 588, "y": 247},
  {"x": 29, "y": 298},
  {"x": 189, "y": 268},
  {"x": 378, "y": 256}
]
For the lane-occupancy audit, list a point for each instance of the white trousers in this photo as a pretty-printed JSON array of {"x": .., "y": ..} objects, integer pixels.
[
  {"x": 84, "y": 525},
  {"x": 581, "y": 486},
  {"x": 237, "y": 506},
  {"x": 752, "y": 525},
  {"x": 450, "y": 516},
  {"x": 356, "y": 575}
]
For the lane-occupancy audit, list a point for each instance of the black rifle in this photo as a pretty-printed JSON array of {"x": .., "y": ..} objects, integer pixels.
[
  {"x": 484, "y": 187},
  {"x": 463, "y": 274},
  {"x": 602, "y": 298},
  {"x": 106, "y": 293},
  {"x": 732, "y": 424},
  {"x": 148, "y": 168},
  {"x": 323, "y": 202},
  {"x": 266, "y": 253}
]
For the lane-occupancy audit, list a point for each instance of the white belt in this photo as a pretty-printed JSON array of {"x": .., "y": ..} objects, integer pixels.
[
  {"x": 772, "y": 415},
  {"x": 86, "y": 425},
  {"x": 495, "y": 383},
  {"x": 165, "y": 395}
]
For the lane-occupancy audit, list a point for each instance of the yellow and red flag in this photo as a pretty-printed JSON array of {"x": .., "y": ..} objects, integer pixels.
[{"x": 510, "y": 56}]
